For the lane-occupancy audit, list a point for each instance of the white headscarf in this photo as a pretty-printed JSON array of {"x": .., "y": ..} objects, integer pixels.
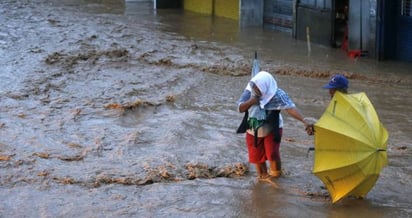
[{"x": 267, "y": 86}]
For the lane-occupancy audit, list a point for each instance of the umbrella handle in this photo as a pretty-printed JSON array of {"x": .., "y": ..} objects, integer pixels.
[{"x": 309, "y": 150}]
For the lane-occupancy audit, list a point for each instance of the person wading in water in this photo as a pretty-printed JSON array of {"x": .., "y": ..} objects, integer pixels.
[{"x": 263, "y": 100}]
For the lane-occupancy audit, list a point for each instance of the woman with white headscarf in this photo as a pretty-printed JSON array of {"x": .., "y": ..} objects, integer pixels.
[{"x": 263, "y": 100}]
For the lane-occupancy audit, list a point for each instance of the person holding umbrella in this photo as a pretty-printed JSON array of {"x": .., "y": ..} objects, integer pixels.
[
  {"x": 263, "y": 100},
  {"x": 350, "y": 143},
  {"x": 337, "y": 83}
]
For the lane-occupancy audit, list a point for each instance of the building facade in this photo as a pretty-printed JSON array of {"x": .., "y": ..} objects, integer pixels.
[{"x": 380, "y": 29}]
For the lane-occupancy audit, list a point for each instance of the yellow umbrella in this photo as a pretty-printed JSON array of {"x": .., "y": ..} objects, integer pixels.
[{"x": 350, "y": 146}]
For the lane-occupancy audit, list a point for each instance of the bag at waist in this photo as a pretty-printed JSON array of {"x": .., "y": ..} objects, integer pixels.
[{"x": 254, "y": 123}]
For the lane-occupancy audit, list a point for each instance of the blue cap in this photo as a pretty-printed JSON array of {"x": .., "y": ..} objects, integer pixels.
[{"x": 337, "y": 82}]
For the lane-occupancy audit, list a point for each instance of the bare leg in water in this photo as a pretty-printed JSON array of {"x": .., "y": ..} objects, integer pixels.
[
  {"x": 275, "y": 168},
  {"x": 261, "y": 169}
]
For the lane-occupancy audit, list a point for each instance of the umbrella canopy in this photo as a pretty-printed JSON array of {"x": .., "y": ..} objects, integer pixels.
[{"x": 350, "y": 146}]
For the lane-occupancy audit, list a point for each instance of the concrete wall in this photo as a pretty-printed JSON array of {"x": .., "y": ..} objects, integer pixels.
[
  {"x": 319, "y": 23},
  {"x": 317, "y": 3},
  {"x": 221, "y": 8},
  {"x": 362, "y": 26},
  {"x": 251, "y": 12},
  {"x": 248, "y": 12},
  {"x": 371, "y": 44},
  {"x": 227, "y": 8},
  {"x": 278, "y": 15},
  {"x": 199, "y": 6}
]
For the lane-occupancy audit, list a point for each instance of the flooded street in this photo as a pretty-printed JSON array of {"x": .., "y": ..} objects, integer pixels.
[{"x": 112, "y": 109}]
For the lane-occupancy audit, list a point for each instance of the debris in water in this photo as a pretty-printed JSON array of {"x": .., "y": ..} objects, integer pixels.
[
  {"x": 4, "y": 158},
  {"x": 42, "y": 155}
]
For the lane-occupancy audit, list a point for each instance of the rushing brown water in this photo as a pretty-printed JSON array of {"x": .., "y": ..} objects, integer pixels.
[{"x": 113, "y": 109}]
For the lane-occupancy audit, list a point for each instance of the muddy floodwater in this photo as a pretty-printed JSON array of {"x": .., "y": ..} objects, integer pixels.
[{"x": 113, "y": 109}]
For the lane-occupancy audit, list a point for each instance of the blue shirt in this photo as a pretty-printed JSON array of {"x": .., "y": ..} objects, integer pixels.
[{"x": 280, "y": 101}]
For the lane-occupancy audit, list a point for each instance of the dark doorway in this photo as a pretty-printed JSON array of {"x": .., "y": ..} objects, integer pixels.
[
  {"x": 387, "y": 29},
  {"x": 404, "y": 48},
  {"x": 177, "y": 4},
  {"x": 340, "y": 18}
]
